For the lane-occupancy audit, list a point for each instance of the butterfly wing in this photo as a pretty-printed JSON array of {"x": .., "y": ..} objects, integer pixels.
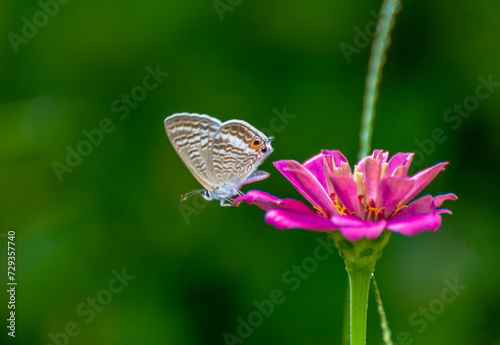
[
  {"x": 191, "y": 136},
  {"x": 237, "y": 150}
]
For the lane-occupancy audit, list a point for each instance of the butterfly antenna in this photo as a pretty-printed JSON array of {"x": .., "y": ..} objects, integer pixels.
[{"x": 186, "y": 196}]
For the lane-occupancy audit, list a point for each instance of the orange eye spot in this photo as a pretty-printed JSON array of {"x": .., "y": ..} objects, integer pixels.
[{"x": 256, "y": 143}]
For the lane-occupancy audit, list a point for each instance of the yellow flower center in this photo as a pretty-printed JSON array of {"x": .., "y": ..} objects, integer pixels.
[
  {"x": 320, "y": 211},
  {"x": 339, "y": 206},
  {"x": 399, "y": 208},
  {"x": 373, "y": 212}
]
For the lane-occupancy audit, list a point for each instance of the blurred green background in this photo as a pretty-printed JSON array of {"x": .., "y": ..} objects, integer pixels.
[{"x": 65, "y": 68}]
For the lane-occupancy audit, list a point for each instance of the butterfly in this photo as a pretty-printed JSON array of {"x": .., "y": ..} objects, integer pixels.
[{"x": 221, "y": 156}]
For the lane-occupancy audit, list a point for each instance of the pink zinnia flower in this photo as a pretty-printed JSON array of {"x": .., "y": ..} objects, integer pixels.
[{"x": 359, "y": 204}]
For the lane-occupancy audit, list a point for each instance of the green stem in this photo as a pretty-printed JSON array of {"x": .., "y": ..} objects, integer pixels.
[
  {"x": 378, "y": 53},
  {"x": 359, "y": 282},
  {"x": 360, "y": 258},
  {"x": 346, "y": 322}
]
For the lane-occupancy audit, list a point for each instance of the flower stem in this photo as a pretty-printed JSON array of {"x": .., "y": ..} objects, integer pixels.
[
  {"x": 360, "y": 258},
  {"x": 359, "y": 283},
  {"x": 346, "y": 321},
  {"x": 378, "y": 53}
]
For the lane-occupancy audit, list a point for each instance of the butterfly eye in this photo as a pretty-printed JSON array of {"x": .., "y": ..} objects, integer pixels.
[{"x": 257, "y": 141}]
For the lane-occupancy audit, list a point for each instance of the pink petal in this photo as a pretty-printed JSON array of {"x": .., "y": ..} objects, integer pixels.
[
  {"x": 423, "y": 178},
  {"x": 401, "y": 171},
  {"x": 372, "y": 178},
  {"x": 438, "y": 200},
  {"x": 307, "y": 185},
  {"x": 380, "y": 155},
  {"x": 338, "y": 157},
  {"x": 348, "y": 221},
  {"x": 263, "y": 200},
  {"x": 347, "y": 192},
  {"x": 316, "y": 166},
  {"x": 444, "y": 210},
  {"x": 267, "y": 201},
  {"x": 391, "y": 191},
  {"x": 362, "y": 162},
  {"x": 419, "y": 206},
  {"x": 345, "y": 170},
  {"x": 292, "y": 219},
  {"x": 399, "y": 164},
  {"x": 425, "y": 204},
  {"x": 412, "y": 225},
  {"x": 354, "y": 228}
]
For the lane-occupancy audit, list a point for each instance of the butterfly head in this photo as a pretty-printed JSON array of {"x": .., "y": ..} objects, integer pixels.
[{"x": 262, "y": 145}]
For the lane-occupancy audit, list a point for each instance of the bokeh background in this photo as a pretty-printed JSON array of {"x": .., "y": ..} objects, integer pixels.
[{"x": 196, "y": 273}]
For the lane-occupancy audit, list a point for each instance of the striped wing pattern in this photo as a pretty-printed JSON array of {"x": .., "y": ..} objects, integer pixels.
[
  {"x": 191, "y": 135},
  {"x": 233, "y": 160},
  {"x": 221, "y": 156}
]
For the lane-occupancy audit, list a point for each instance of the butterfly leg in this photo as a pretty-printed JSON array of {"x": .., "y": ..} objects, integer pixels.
[
  {"x": 223, "y": 202},
  {"x": 226, "y": 202}
]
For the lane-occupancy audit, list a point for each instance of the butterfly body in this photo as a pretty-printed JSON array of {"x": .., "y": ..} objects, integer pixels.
[{"x": 221, "y": 156}]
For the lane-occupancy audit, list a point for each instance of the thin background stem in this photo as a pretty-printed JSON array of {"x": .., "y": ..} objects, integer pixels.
[
  {"x": 384, "y": 325},
  {"x": 381, "y": 43}
]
